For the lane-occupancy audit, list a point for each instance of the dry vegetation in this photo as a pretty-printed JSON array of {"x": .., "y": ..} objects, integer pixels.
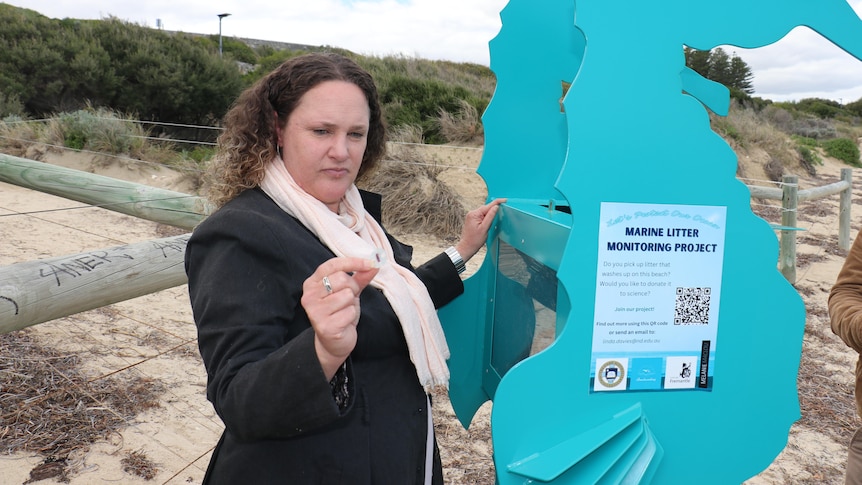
[
  {"x": 416, "y": 200},
  {"x": 48, "y": 407}
]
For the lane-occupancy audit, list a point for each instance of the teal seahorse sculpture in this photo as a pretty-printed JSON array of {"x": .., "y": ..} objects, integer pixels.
[{"x": 674, "y": 342}]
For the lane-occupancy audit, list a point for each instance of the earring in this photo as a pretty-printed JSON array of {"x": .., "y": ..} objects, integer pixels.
[{"x": 278, "y": 150}]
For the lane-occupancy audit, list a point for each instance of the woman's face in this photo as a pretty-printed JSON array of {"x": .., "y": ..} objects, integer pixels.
[{"x": 324, "y": 140}]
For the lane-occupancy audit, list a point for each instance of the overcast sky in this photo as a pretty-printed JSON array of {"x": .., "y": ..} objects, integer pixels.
[{"x": 802, "y": 65}]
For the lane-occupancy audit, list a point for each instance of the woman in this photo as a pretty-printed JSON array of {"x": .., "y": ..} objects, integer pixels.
[{"x": 319, "y": 338}]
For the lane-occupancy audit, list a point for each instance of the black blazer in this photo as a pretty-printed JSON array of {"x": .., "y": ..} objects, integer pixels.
[{"x": 246, "y": 264}]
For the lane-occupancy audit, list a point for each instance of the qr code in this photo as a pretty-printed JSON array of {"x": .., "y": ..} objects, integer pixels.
[{"x": 692, "y": 306}]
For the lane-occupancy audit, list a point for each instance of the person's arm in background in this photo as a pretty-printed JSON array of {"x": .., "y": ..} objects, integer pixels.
[{"x": 845, "y": 299}]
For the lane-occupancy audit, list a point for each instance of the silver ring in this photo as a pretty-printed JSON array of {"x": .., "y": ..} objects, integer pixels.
[{"x": 327, "y": 284}]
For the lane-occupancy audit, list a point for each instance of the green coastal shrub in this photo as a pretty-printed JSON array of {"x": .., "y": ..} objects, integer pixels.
[
  {"x": 98, "y": 129},
  {"x": 843, "y": 149},
  {"x": 417, "y": 101}
]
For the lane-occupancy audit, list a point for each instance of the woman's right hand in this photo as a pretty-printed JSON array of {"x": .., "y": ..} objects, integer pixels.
[{"x": 334, "y": 310}]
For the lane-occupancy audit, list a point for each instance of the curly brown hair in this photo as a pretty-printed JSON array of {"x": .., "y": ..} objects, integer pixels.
[{"x": 249, "y": 140}]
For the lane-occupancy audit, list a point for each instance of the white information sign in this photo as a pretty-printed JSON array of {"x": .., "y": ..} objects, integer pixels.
[{"x": 658, "y": 287}]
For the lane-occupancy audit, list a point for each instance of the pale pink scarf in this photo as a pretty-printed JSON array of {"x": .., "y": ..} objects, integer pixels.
[{"x": 353, "y": 232}]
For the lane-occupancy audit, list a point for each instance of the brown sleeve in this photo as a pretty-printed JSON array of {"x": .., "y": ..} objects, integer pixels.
[{"x": 845, "y": 299}]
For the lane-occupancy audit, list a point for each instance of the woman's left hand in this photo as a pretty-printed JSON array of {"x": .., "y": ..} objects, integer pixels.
[{"x": 475, "y": 230}]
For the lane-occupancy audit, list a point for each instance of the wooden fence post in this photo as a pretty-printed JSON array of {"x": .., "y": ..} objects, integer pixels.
[
  {"x": 789, "y": 204},
  {"x": 844, "y": 211}
]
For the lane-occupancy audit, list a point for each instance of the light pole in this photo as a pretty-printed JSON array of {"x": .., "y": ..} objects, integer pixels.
[{"x": 220, "y": 16}]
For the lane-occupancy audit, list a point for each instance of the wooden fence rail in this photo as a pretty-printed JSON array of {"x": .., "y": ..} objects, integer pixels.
[
  {"x": 790, "y": 197},
  {"x": 143, "y": 201},
  {"x": 37, "y": 291}
]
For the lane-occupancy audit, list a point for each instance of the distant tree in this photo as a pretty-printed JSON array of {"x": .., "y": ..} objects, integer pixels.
[
  {"x": 697, "y": 60},
  {"x": 167, "y": 77},
  {"x": 855, "y": 107},
  {"x": 741, "y": 76},
  {"x": 29, "y": 57},
  {"x": 718, "y": 66}
]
